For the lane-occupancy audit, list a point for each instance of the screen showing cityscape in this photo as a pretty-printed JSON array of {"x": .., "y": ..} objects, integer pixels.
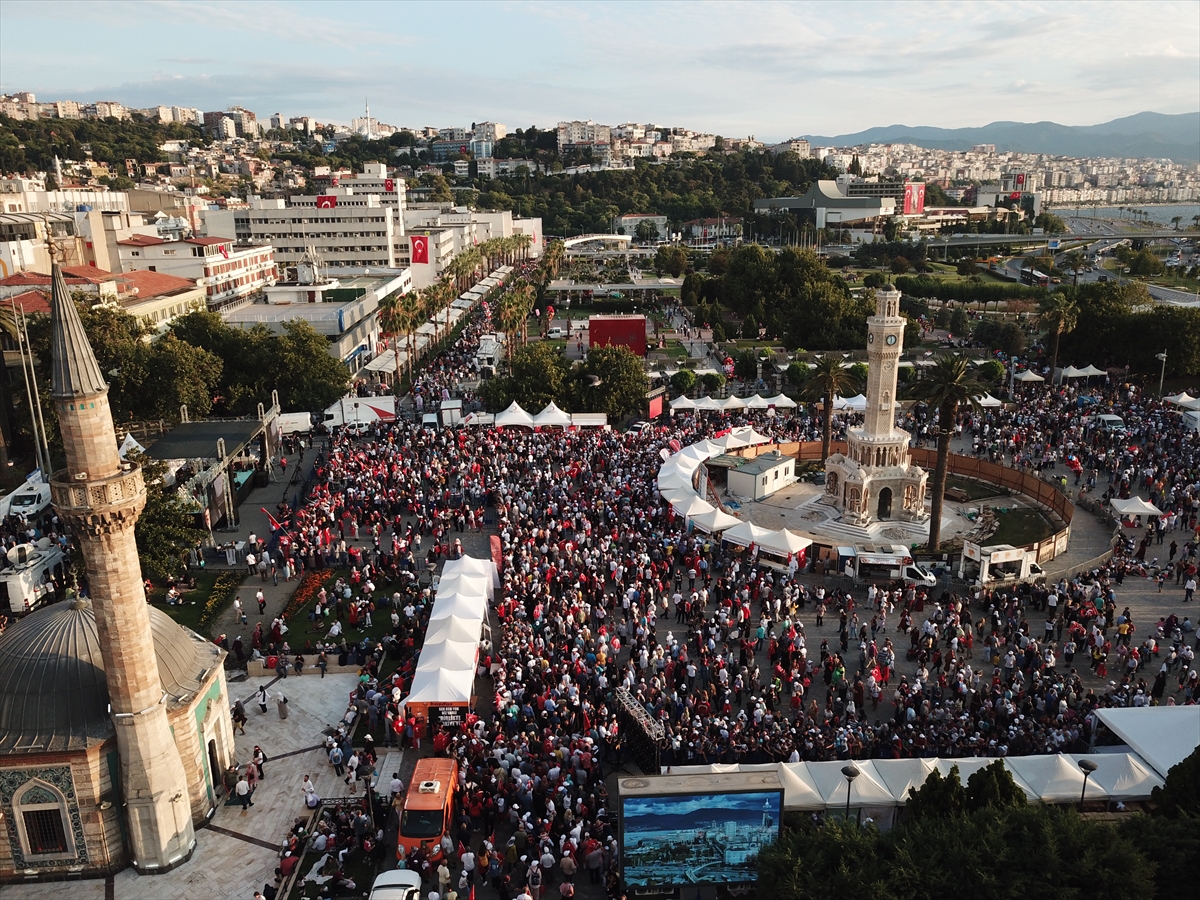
[{"x": 697, "y": 838}]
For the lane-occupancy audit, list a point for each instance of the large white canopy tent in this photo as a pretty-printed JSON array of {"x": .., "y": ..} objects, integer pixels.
[
  {"x": 746, "y": 533},
  {"x": 465, "y": 583},
  {"x": 1135, "y": 506},
  {"x": 474, "y": 566},
  {"x": 436, "y": 686},
  {"x": 714, "y": 521},
  {"x": 450, "y": 654},
  {"x": 1090, "y": 371},
  {"x": 987, "y": 401},
  {"x": 681, "y": 402},
  {"x": 514, "y": 416},
  {"x": 1028, "y": 376},
  {"x": 781, "y": 401},
  {"x": 784, "y": 542},
  {"x": 1163, "y": 736},
  {"x": 552, "y": 416}
]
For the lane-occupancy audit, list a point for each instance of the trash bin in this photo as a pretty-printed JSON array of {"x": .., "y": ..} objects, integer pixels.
[{"x": 282, "y": 706}]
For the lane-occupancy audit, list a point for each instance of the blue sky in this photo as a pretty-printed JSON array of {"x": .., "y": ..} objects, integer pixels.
[{"x": 772, "y": 70}]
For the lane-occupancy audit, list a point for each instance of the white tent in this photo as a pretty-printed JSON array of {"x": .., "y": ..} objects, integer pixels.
[
  {"x": 839, "y": 402},
  {"x": 799, "y": 789},
  {"x": 781, "y": 401},
  {"x": 1161, "y": 735},
  {"x": 858, "y": 402},
  {"x": 1135, "y": 506},
  {"x": 987, "y": 401},
  {"x": 1051, "y": 778},
  {"x": 756, "y": 402},
  {"x": 731, "y": 402},
  {"x": 690, "y": 505},
  {"x": 514, "y": 415},
  {"x": 450, "y": 654},
  {"x": 746, "y": 533},
  {"x": 465, "y": 583},
  {"x": 1072, "y": 372},
  {"x": 830, "y": 783},
  {"x": 1089, "y": 370},
  {"x": 1028, "y": 375},
  {"x": 967, "y": 766},
  {"x": 461, "y": 606},
  {"x": 714, "y": 521},
  {"x": 1182, "y": 399},
  {"x": 472, "y": 565},
  {"x": 437, "y": 686},
  {"x": 752, "y": 437},
  {"x": 681, "y": 402},
  {"x": 1121, "y": 776},
  {"x": 552, "y": 415},
  {"x": 700, "y": 451},
  {"x": 783, "y": 542},
  {"x": 130, "y": 443},
  {"x": 706, "y": 402},
  {"x": 731, "y": 441},
  {"x": 673, "y": 478},
  {"x": 452, "y": 628},
  {"x": 901, "y": 774}
]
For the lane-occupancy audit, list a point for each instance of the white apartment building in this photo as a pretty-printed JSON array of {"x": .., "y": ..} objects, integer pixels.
[
  {"x": 341, "y": 230},
  {"x": 226, "y": 271},
  {"x": 489, "y": 131},
  {"x": 574, "y": 133}
]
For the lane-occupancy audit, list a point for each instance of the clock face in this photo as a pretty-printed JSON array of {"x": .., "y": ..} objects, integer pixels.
[
  {"x": 870, "y": 337},
  {"x": 891, "y": 339}
]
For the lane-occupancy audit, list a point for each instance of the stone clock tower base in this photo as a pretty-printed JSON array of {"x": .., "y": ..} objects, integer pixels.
[{"x": 875, "y": 478}]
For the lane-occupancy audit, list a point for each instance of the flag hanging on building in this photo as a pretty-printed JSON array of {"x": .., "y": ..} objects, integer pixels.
[
  {"x": 389, "y": 184},
  {"x": 225, "y": 250},
  {"x": 326, "y": 201},
  {"x": 420, "y": 249}
]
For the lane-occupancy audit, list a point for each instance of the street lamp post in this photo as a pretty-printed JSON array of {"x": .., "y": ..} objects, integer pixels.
[
  {"x": 1088, "y": 768},
  {"x": 851, "y": 772},
  {"x": 1163, "y": 373}
]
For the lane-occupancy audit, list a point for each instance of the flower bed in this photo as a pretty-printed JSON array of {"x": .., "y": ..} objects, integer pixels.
[
  {"x": 224, "y": 589},
  {"x": 306, "y": 592}
]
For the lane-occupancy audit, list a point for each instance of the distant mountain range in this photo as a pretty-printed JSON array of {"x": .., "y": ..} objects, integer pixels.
[{"x": 1146, "y": 134}]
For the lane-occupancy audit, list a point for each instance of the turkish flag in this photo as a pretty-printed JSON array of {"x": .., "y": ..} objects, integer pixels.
[
  {"x": 326, "y": 202},
  {"x": 389, "y": 184},
  {"x": 420, "y": 249}
]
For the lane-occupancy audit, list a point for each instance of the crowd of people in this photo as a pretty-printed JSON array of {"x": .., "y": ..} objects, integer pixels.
[{"x": 603, "y": 587}]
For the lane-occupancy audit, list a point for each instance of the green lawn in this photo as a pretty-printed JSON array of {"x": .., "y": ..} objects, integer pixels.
[
  {"x": 1020, "y": 526},
  {"x": 302, "y": 632},
  {"x": 975, "y": 490},
  {"x": 187, "y": 613}
]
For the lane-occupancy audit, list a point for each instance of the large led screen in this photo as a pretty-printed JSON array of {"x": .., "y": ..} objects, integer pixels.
[{"x": 697, "y": 838}]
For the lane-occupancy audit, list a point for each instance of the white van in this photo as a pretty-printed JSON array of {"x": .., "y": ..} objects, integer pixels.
[
  {"x": 890, "y": 562},
  {"x": 26, "y": 581},
  {"x": 28, "y": 500},
  {"x": 295, "y": 423}
]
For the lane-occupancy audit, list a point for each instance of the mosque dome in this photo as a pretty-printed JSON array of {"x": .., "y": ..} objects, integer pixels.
[{"x": 53, "y": 690}]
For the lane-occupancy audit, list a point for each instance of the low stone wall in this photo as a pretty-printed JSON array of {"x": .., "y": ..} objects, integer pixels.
[{"x": 258, "y": 668}]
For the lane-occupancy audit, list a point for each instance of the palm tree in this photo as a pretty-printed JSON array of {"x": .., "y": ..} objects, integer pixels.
[
  {"x": 1075, "y": 263},
  {"x": 948, "y": 385},
  {"x": 1057, "y": 313},
  {"x": 826, "y": 379},
  {"x": 552, "y": 259}
]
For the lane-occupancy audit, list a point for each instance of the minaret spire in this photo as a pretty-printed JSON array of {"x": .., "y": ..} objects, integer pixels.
[{"x": 74, "y": 371}]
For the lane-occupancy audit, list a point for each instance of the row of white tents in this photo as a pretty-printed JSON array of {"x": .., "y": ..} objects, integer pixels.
[
  {"x": 882, "y": 785},
  {"x": 550, "y": 417},
  {"x": 675, "y": 486},
  {"x": 779, "y": 401},
  {"x": 445, "y": 673},
  {"x": 446, "y": 320}
]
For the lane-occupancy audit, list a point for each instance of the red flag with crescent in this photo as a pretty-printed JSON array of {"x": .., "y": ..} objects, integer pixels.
[
  {"x": 420, "y": 249},
  {"x": 389, "y": 184},
  {"x": 326, "y": 201}
]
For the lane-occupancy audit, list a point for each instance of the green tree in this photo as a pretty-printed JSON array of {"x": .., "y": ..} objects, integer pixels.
[
  {"x": 1146, "y": 263},
  {"x": 1050, "y": 223},
  {"x": 672, "y": 260},
  {"x": 611, "y": 381},
  {"x": 1057, "y": 313},
  {"x": 646, "y": 231},
  {"x": 539, "y": 375},
  {"x": 960, "y": 322},
  {"x": 993, "y": 787},
  {"x": 938, "y": 797},
  {"x": 899, "y": 265},
  {"x": 948, "y": 385},
  {"x": 712, "y": 381},
  {"x": 683, "y": 381},
  {"x": 178, "y": 374},
  {"x": 164, "y": 530},
  {"x": 991, "y": 371},
  {"x": 826, "y": 379}
]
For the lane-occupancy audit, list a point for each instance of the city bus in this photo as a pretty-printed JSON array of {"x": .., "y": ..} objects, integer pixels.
[
  {"x": 1030, "y": 275},
  {"x": 428, "y": 807}
]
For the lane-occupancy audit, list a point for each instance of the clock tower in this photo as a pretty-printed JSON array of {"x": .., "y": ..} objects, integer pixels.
[{"x": 875, "y": 479}]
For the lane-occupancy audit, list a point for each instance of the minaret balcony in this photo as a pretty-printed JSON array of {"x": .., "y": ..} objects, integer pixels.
[{"x": 80, "y": 498}]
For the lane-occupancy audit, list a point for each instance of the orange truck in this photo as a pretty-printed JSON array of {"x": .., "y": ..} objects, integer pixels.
[{"x": 428, "y": 812}]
